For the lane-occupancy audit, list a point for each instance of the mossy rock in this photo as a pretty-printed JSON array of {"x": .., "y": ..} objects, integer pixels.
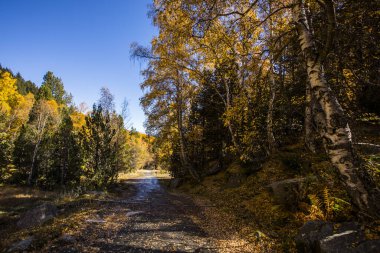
[{"x": 287, "y": 192}]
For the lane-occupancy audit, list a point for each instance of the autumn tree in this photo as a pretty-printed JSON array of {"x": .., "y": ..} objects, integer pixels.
[
  {"x": 285, "y": 81},
  {"x": 14, "y": 111},
  {"x": 43, "y": 120}
]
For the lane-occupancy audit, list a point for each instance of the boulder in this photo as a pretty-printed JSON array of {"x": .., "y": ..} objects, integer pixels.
[
  {"x": 21, "y": 245},
  {"x": 326, "y": 237},
  {"x": 310, "y": 234},
  {"x": 38, "y": 215},
  {"x": 340, "y": 242},
  {"x": 287, "y": 192}
]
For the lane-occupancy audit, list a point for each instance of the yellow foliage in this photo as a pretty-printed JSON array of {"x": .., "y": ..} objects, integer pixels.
[
  {"x": 20, "y": 113},
  {"x": 9, "y": 97},
  {"x": 78, "y": 119},
  {"x": 52, "y": 107}
]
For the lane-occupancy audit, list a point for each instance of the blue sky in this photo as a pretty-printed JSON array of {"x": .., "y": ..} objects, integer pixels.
[{"x": 84, "y": 42}]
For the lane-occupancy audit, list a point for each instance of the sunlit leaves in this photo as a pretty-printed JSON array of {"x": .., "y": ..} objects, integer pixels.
[{"x": 9, "y": 97}]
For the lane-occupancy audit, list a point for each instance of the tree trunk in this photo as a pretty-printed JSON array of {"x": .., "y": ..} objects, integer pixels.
[
  {"x": 228, "y": 106},
  {"x": 33, "y": 167},
  {"x": 336, "y": 131},
  {"x": 184, "y": 161},
  {"x": 272, "y": 146},
  {"x": 270, "y": 136},
  {"x": 40, "y": 130},
  {"x": 309, "y": 138}
]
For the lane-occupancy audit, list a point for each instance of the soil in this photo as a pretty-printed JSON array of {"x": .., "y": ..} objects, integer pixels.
[{"x": 146, "y": 217}]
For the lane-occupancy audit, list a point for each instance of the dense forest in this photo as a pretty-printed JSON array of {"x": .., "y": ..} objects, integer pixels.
[
  {"x": 49, "y": 142},
  {"x": 237, "y": 82}
]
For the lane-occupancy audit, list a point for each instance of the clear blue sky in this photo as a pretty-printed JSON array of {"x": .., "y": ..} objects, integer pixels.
[{"x": 84, "y": 42}]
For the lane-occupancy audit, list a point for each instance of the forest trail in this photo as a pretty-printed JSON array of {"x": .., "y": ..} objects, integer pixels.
[{"x": 150, "y": 219}]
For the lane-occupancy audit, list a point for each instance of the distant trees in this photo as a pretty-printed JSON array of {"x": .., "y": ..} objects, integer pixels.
[{"x": 46, "y": 141}]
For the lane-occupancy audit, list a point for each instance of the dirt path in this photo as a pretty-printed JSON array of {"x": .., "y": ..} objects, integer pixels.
[{"x": 150, "y": 220}]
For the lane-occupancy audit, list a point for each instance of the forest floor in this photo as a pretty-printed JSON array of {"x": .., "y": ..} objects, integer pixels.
[{"x": 140, "y": 215}]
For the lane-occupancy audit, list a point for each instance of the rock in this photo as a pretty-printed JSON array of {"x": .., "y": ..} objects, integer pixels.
[
  {"x": 132, "y": 213},
  {"x": 310, "y": 234},
  {"x": 38, "y": 215},
  {"x": 175, "y": 183},
  {"x": 344, "y": 238},
  {"x": 287, "y": 192},
  {"x": 21, "y": 245},
  {"x": 341, "y": 242},
  {"x": 325, "y": 237}
]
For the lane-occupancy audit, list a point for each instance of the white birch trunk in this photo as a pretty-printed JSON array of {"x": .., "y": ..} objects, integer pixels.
[
  {"x": 186, "y": 166},
  {"x": 41, "y": 123},
  {"x": 336, "y": 131},
  {"x": 309, "y": 139}
]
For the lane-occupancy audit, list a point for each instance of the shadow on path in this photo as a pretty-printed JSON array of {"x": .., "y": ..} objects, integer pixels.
[{"x": 150, "y": 220}]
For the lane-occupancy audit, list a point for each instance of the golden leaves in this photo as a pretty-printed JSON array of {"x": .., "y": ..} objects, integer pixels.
[{"x": 9, "y": 97}]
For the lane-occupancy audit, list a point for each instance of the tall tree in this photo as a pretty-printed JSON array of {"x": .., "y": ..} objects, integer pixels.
[
  {"x": 99, "y": 153},
  {"x": 334, "y": 127},
  {"x": 106, "y": 100},
  {"x": 67, "y": 157},
  {"x": 43, "y": 117},
  {"x": 53, "y": 86}
]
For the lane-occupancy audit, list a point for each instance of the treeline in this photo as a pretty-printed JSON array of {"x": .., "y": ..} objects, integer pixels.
[
  {"x": 47, "y": 141},
  {"x": 237, "y": 80}
]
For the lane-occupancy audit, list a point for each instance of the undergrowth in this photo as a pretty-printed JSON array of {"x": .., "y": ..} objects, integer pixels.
[{"x": 322, "y": 196}]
